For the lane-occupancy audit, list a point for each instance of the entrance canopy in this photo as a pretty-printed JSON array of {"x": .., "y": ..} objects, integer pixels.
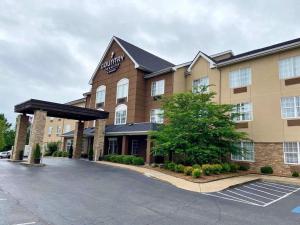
[{"x": 60, "y": 110}]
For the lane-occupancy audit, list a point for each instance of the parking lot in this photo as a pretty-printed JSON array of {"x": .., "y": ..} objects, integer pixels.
[
  {"x": 259, "y": 193},
  {"x": 77, "y": 192}
]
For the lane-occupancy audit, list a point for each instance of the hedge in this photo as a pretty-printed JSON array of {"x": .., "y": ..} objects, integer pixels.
[{"x": 125, "y": 159}]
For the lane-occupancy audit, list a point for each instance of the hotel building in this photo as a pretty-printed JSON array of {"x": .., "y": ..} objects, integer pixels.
[{"x": 264, "y": 84}]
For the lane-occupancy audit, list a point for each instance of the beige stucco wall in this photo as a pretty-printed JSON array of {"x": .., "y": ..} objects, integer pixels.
[{"x": 264, "y": 93}]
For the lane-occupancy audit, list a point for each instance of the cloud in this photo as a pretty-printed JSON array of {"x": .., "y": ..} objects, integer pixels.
[{"x": 49, "y": 49}]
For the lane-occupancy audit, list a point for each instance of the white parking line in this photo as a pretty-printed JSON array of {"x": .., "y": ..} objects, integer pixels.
[
  {"x": 280, "y": 185},
  {"x": 255, "y": 189},
  {"x": 244, "y": 196},
  {"x": 268, "y": 188},
  {"x": 254, "y": 194},
  {"x": 280, "y": 188},
  {"x": 25, "y": 223},
  {"x": 231, "y": 199},
  {"x": 281, "y": 197}
]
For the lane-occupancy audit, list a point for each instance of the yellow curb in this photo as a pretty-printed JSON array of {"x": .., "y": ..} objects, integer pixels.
[{"x": 212, "y": 186}]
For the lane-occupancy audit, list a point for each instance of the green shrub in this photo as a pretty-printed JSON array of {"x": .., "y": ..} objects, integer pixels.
[
  {"x": 295, "y": 174},
  {"x": 179, "y": 168},
  {"x": 216, "y": 168},
  {"x": 37, "y": 152},
  {"x": 127, "y": 159},
  {"x": 225, "y": 167},
  {"x": 266, "y": 170},
  {"x": 196, "y": 173},
  {"x": 234, "y": 167},
  {"x": 196, "y": 166},
  {"x": 207, "y": 170},
  {"x": 244, "y": 167},
  {"x": 91, "y": 154},
  {"x": 51, "y": 148},
  {"x": 188, "y": 170},
  {"x": 138, "y": 161},
  {"x": 171, "y": 166}
]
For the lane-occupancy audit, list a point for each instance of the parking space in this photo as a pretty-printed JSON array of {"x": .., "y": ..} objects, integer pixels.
[{"x": 259, "y": 193}]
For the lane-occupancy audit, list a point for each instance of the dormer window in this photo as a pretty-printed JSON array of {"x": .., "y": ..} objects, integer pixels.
[
  {"x": 122, "y": 90},
  {"x": 100, "y": 96},
  {"x": 158, "y": 88}
]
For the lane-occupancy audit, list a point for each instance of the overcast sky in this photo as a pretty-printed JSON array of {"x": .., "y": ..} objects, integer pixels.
[{"x": 49, "y": 49}]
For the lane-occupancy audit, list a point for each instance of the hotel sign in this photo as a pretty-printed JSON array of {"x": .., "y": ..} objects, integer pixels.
[{"x": 113, "y": 64}]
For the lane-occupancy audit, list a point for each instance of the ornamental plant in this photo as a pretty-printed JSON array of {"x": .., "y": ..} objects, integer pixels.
[
  {"x": 198, "y": 129},
  {"x": 196, "y": 173},
  {"x": 188, "y": 170},
  {"x": 179, "y": 168}
]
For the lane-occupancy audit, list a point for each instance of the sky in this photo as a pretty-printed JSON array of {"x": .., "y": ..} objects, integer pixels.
[{"x": 50, "y": 49}]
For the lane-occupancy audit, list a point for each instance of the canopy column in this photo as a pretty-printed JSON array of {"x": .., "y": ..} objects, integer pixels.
[
  {"x": 37, "y": 132},
  {"x": 78, "y": 138},
  {"x": 99, "y": 135},
  {"x": 148, "y": 150},
  {"x": 20, "y": 139}
]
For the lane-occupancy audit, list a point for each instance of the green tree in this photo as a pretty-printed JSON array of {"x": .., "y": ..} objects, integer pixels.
[
  {"x": 198, "y": 130},
  {"x": 7, "y": 134}
]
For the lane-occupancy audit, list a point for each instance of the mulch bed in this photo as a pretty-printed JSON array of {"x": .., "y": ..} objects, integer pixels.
[{"x": 203, "y": 178}]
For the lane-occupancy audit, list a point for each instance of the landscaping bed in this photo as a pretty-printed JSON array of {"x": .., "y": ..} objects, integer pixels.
[{"x": 202, "y": 178}]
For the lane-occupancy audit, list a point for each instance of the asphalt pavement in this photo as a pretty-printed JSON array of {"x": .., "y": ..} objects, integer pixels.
[{"x": 77, "y": 192}]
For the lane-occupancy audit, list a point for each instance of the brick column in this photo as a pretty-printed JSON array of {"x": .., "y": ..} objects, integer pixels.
[
  {"x": 21, "y": 133},
  {"x": 37, "y": 132},
  {"x": 148, "y": 150},
  {"x": 125, "y": 145},
  {"x": 98, "y": 145},
  {"x": 78, "y": 138}
]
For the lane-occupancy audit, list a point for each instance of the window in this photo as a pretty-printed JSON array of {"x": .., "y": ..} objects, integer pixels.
[
  {"x": 290, "y": 107},
  {"x": 50, "y": 130},
  {"x": 158, "y": 88},
  {"x": 247, "y": 152},
  {"x": 289, "y": 68},
  {"x": 122, "y": 88},
  {"x": 67, "y": 128},
  {"x": 58, "y": 130},
  {"x": 240, "y": 78},
  {"x": 291, "y": 152},
  {"x": 245, "y": 112},
  {"x": 100, "y": 96},
  {"x": 121, "y": 114},
  {"x": 198, "y": 84},
  {"x": 112, "y": 146},
  {"x": 157, "y": 116},
  {"x": 135, "y": 147}
]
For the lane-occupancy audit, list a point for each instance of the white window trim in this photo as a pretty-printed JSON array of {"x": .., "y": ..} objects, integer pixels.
[
  {"x": 203, "y": 77},
  {"x": 153, "y": 95},
  {"x": 121, "y": 108},
  {"x": 284, "y": 158},
  {"x": 50, "y": 130},
  {"x": 100, "y": 88},
  {"x": 151, "y": 115},
  {"x": 295, "y": 108},
  {"x": 294, "y": 68},
  {"x": 239, "y": 70},
  {"x": 251, "y": 114},
  {"x": 245, "y": 160},
  {"x": 122, "y": 82}
]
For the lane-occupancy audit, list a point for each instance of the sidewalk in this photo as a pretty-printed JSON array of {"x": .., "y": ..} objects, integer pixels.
[{"x": 213, "y": 186}]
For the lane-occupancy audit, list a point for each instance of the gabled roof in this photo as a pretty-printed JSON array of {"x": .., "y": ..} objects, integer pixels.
[
  {"x": 142, "y": 59},
  {"x": 260, "y": 52},
  {"x": 211, "y": 61}
]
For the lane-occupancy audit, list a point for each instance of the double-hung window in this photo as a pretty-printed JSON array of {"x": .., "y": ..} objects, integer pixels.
[
  {"x": 112, "y": 146},
  {"x": 135, "y": 147},
  {"x": 158, "y": 88},
  {"x": 291, "y": 152},
  {"x": 199, "y": 84},
  {"x": 121, "y": 114},
  {"x": 58, "y": 130},
  {"x": 157, "y": 116},
  {"x": 290, "y": 107},
  {"x": 244, "y": 111},
  {"x": 247, "y": 152},
  {"x": 240, "y": 78},
  {"x": 289, "y": 67},
  {"x": 100, "y": 96},
  {"x": 122, "y": 89}
]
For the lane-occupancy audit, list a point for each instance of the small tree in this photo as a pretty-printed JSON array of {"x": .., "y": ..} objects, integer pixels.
[
  {"x": 52, "y": 147},
  {"x": 37, "y": 154},
  {"x": 70, "y": 153},
  {"x": 91, "y": 154},
  {"x": 198, "y": 130}
]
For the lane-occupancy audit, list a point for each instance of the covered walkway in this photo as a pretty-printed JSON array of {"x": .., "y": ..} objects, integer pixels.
[{"x": 42, "y": 109}]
